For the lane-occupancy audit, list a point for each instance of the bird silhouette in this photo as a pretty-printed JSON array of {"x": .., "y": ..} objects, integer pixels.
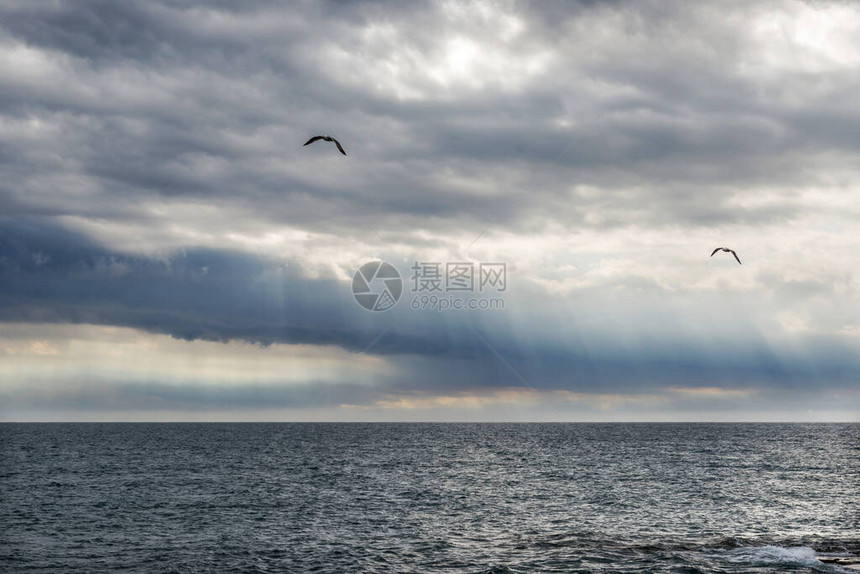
[
  {"x": 328, "y": 139},
  {"x": 727, "y": 250}
]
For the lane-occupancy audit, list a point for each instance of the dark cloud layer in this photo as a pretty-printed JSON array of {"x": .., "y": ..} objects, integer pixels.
[{"x": 51, "y": 275}]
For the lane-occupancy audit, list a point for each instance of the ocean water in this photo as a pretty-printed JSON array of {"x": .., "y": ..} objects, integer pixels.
[{"x": 429, "y": 497}]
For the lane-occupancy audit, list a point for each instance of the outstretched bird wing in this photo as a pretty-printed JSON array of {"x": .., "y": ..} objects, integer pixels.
[
  {"x": 736, "y": 256},
  {"x": 312, "y": 140},
  {"x": 340, "y": 147},
  {"x": 712, "y": 252}
]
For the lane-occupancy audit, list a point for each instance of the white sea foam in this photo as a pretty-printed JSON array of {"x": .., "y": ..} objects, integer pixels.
[{"x": 778, "y": 555}]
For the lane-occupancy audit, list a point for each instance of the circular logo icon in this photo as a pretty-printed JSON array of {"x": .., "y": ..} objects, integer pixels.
[{"x": 377, "y": 286}]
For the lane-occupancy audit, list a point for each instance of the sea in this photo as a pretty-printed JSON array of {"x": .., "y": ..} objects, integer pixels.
[{"x": 475, "y": 498}]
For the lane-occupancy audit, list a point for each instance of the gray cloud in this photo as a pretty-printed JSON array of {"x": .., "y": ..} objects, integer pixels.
[{"x": 177, "y": 100}]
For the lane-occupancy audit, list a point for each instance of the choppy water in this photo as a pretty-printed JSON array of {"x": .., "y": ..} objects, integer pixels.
[{"x": 422, "y": 498}]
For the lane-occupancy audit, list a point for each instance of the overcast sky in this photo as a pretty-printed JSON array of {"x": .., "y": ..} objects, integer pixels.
[{"x": 170, "y": 251}]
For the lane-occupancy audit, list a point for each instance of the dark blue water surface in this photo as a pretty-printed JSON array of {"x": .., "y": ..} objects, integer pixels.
[{"x": 429, "y": 497}]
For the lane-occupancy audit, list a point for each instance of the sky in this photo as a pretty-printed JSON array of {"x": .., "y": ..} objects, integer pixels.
[{"x": 170, "y": 251}]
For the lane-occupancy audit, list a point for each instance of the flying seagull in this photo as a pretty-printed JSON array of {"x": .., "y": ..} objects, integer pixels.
[
  {"x": 328, "y": 139},
  {"x": 727, "y": 250}
]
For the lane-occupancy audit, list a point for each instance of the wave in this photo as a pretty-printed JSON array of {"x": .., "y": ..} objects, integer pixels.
[{"x": 779, "y": 556}]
